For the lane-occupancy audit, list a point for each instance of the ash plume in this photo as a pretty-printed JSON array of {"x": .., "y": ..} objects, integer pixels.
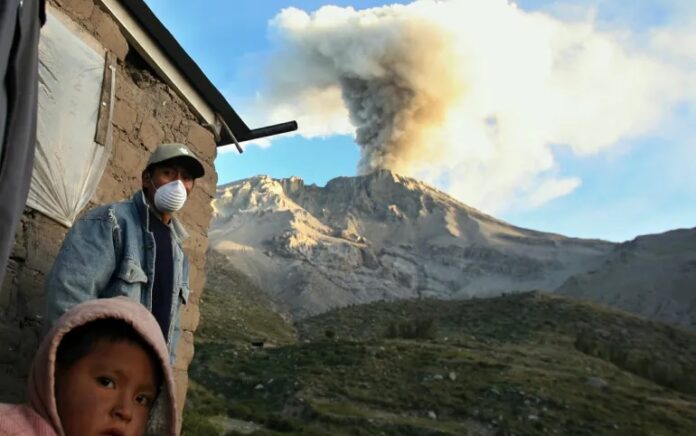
[{"x": 469, "y": 95}]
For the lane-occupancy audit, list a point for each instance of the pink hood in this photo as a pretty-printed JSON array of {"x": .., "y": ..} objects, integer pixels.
[{"x": 42, "y": 377}]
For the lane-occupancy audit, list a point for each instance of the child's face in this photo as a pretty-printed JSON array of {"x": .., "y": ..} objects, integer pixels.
[{"x": 109, "y": 391}]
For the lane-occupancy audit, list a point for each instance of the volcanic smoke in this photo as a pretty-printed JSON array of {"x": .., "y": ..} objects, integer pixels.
[{"x": 470, "y": 95}]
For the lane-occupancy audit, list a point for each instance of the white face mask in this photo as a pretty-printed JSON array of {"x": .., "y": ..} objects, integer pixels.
[{"x": 170, "y": 197}]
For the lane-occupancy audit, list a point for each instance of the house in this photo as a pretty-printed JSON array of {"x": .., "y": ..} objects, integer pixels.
[{"x": 114, "y": 85}]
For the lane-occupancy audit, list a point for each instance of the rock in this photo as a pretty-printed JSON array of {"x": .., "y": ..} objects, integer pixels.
[
  {"x": 358, "y": 239},
  {"x": 597, "y": 382}
]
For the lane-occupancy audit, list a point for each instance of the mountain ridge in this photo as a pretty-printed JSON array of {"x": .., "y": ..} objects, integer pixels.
[
  {"x": 651, "y": 275},
  {"x": 296, "y": 180},
  {"x": 382, "y": 236}
]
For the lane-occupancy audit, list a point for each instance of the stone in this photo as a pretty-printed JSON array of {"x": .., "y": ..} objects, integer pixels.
[
  {"x": 202, "y": 142},
  {"x": 31, "y": 302},
  {"x": 208, "y": 182},
  {"x": 190, "y": 317},
  {"x": 79, "y": 8},
  {"x": 184, "y": 350},
  {"x": 197, "y": 283},
  {"x": 128, "y": 157},
  {"x": 110, "y": 189},
  {"x": 8, "y": 291},
  {"x": 44, "y": 239},
  {"x": 128, "y": 91},
  {"x": 597, "y": 382},
  {"x": 151, "y": 134},
  {"x": 13, "y": 388},
  {"x": 19, "y": 248},
  {"x": 124, "y": 116},
  {"x": 9, "y": 343},
  {"x": 109, "y": 34}
]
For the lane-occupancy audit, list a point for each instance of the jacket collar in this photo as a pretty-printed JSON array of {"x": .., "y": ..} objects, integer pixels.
[{"x": 140, "y": 201}]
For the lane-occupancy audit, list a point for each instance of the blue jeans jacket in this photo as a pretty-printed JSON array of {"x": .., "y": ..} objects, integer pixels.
[{"x": 110, "y": 252}]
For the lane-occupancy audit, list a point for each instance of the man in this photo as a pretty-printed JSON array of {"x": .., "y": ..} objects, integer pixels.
[
  {"x": 132, "y": 248},
  {"x": 20, "y": 21}
]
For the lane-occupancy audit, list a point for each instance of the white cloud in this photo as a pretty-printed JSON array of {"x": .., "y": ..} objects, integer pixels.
[{"x": 552, "y": 189}]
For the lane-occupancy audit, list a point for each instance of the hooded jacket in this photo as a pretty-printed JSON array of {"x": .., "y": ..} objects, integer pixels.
[{"x": 40, "y": 416}]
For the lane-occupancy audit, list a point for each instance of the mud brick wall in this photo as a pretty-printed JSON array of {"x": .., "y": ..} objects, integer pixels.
[{"x": 146, "y": 113}]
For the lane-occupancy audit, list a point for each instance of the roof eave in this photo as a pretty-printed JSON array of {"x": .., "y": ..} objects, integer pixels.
[{"x": 237, "y": 130}]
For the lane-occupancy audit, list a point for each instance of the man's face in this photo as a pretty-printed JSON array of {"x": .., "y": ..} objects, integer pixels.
[
  {"x": 109, "y": 391},
  {"x": 165, "y": 172}
]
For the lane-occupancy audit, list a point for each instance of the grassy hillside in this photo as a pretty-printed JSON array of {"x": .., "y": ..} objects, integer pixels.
[
  {"x": 519, "y": 364},
  {"x": 235, "y": 311},
  {"x": 234, "y": 314}
]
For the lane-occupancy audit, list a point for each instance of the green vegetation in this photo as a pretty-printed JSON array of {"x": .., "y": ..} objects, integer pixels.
[
  {"x": 236, "y": 311},
  {"x": 519, "y": 364}
]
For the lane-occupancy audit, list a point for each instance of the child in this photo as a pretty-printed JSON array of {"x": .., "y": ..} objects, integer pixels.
[{"x": 97, "y": 372}]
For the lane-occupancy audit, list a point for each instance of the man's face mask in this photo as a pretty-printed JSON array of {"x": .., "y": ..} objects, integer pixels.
[{"x": 170, "y": 197}]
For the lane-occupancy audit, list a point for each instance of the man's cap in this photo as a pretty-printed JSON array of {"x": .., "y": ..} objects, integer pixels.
[{"x": 171, "y": 151}]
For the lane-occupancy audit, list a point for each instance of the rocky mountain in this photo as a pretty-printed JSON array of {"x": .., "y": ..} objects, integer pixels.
[
  {"x": 653, "y": 276},
  {"x": 382, "y": 237}
]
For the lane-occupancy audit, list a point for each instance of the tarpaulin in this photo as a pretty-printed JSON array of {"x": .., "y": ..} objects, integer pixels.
[{"x": 68, "y": 162}]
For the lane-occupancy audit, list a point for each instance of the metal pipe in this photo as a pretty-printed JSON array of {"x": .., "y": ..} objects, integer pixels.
[{"x": 275, "y": 129}]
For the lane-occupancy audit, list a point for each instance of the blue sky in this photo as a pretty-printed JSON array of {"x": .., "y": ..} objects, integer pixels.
[{"x": 642, "y": 184}]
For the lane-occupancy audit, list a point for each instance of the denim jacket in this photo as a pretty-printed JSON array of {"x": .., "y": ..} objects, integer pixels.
[{"x": 110, "y": 252}]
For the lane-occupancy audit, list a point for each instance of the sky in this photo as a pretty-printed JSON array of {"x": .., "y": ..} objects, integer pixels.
[{"x": 569, "y": 117}]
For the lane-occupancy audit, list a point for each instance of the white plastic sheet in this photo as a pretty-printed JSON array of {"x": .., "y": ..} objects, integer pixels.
[{"x": 68, "y": 163}]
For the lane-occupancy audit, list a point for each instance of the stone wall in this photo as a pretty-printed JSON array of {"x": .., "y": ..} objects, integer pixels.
[{"x": 146, "y": 113}]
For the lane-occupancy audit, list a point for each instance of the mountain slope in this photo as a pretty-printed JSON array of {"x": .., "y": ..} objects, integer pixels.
[
  {"x": 382, "y": 236},
  {"x": 238, "y": 311},
  {"x": 653, "y": 276},
  {"x": 528, "y": 363},
  {"x": 234, "y": 314}
]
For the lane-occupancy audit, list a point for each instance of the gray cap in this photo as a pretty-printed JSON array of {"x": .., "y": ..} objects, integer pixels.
[{"x": 171, "y": 151}]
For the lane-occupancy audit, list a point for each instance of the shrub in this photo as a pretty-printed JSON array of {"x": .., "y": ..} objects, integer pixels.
[
  {"x": 644, "y": 362},
  {"x": 196, "y": 424},
  {"x": 422, "y": 328},
  {"x": 279, "y": 423}
]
